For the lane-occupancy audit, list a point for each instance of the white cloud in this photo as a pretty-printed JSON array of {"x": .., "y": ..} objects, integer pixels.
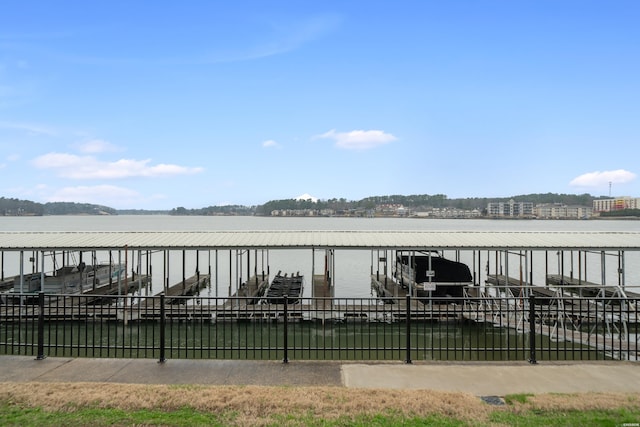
[
  {"x": 88, "y": 167},
  {"x": 307, "y": 196},
  {"x": 97, "y": 146},
  {"x": 602, "y": 179},
  {"x": 358, "y": 139},
  {"x": 271, "y": 144}
]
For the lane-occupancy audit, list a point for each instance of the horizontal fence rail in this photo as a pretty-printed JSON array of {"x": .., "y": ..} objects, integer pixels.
[{"x": 406, "y": 329}]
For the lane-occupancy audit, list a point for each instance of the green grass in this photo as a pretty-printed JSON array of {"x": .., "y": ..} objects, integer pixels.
[
  {"x": 13, "y": 415},
  {"x": 604, "y": 418},
  {"x": 510, "y": 399}
]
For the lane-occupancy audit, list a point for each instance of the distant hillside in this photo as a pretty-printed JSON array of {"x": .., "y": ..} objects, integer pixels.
[
  {"x": 215, "y": 210},
  {"x": 422, "y": 201},
  {"x": 15, "y": 207}
]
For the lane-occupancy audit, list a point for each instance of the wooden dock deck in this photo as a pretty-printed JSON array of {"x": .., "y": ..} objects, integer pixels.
[
  {"x": 187, "y": 287},
  {"x": 128, "y": 286},
  {"x": 587, "y": 289},
  {"x": 323, "y": 291},
  {"x": 254, "y": 287}
]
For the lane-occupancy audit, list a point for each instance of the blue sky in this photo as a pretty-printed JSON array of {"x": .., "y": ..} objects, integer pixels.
[{"x": 157, "y": 105}]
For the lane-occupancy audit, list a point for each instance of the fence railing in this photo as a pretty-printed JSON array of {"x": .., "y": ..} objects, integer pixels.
[{"x": 407, "y": 329}]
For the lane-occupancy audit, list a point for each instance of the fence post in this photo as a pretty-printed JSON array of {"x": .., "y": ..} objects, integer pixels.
[
  {"x": 532, "y": 329},
  {"x": 41, "y": 355},
  {"x": 408, "y": 339},
  {"x": 286, "y": 332},
  {"x": 162, "y": 325}
]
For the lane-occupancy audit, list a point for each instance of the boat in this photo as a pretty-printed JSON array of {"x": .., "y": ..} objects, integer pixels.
[{"x": 432, "y": 276}]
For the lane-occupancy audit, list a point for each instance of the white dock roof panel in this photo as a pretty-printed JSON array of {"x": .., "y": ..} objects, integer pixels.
[{"x": 540, "y": 240}]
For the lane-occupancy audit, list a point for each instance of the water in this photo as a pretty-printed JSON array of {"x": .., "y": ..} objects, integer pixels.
[
  {"x": 264, "y": 340},
  {"x": 352, "y": 267}
]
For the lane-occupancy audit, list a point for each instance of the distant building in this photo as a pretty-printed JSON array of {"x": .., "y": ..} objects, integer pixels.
[
  {"x": 617, "y": 204},
  {"x": 510, "y": 209},
  {"x": 447, "y": 213},
  {"x": 562, "y": 211},
  {"x": 392, "y": 210}
]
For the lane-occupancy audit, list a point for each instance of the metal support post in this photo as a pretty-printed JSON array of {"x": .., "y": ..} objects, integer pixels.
[
  {"x": 162, "y": 327},
  {"x": 41, "y": 355},
  {"x": 286, "y": 338},
  {"x": 532, "y": 330},
  {"x": 408, "y": 339}
]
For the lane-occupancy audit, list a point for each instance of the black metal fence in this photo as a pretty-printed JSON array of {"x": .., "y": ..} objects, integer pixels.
[{"x": 407, "y": 329}]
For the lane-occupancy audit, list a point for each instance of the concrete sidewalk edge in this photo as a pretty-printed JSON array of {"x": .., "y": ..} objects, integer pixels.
[{"x": 478, "y": 378}]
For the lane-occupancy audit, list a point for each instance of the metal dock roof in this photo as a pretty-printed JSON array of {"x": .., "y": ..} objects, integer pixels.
[{"x": 406, "y": 240}]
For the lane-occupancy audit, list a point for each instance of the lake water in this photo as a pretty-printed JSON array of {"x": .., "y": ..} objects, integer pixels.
[{"x": 352, "y": 267}]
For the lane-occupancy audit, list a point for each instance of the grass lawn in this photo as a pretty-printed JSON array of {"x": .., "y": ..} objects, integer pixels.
[{"x": 98, "y": 404}]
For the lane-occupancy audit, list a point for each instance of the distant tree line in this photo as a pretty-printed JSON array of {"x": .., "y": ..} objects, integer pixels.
[
  {"x": 215, "y": 210},
  {"x": 68, "y": 208},
  {"x": 622, "y": 213},
  {"x": 16, "y": 207},
  {"x": 414, "y": 201},
  {"x": 422, "y": 201},
  {"x": 20, "y": 207}
]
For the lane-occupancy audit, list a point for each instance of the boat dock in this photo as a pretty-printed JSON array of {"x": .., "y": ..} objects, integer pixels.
[{"x": 445, "y": 276}]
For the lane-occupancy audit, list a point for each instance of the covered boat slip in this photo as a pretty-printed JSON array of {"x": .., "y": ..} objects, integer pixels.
[
  {"x": 589, "y": 264},
  {"x": 582, "y": 259}
]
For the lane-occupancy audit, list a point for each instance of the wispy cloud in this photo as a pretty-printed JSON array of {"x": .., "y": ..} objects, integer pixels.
[
  {"x": 278, "y": 36},
  {"x": 358, "y": 139},
  {"x": 11, "y": 158},
  {"x": 97, "y": 146},
  {"x": 30, "y": 128},
  {"x": 602, "y": 179},
  {"x": 88, "y": 167},
  {"x": 270, "y": 143}
]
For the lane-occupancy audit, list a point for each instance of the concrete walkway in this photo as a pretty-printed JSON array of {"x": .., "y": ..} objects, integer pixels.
[{"x": 482, "y": 379}]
